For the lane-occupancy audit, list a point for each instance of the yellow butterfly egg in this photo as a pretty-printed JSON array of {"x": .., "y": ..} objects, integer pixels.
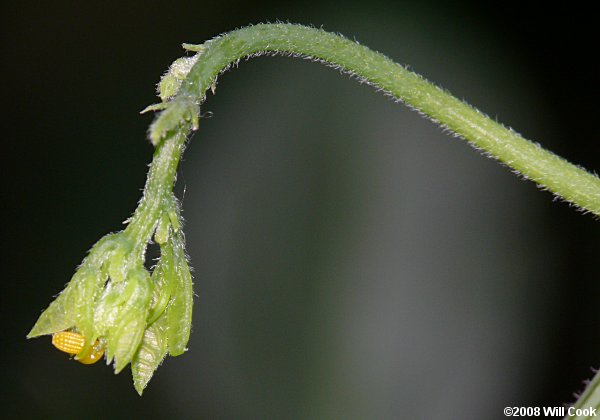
[{"x": 72, "y": 343}]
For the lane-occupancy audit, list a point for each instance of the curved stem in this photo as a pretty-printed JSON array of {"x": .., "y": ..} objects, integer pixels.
[
  {"x": 553, "y": 173},
  {"x": 570, "y": 182}
]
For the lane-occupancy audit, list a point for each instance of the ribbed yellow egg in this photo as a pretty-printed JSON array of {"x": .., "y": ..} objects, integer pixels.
[{"x": 72, "y": 343}]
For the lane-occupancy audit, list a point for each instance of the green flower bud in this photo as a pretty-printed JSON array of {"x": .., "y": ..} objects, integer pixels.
[
  {"x": 171, "y": 82},
  {"x": 117, "y": 308},
  {"x": 124, "y": 327}
]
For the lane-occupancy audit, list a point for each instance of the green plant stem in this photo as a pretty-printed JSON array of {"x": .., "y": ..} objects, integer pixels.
[
  {"x": 589, "y": 399},
  {"x": 553, "y": 173},
  {"x": 157, "y": 192}
]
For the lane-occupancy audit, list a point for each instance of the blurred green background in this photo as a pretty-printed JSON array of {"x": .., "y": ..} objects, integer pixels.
[{"x": 351, "y": 260}]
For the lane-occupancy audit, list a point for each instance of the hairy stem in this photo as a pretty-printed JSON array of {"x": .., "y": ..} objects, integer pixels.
[
  {"x": 564, "y": 179},
  {"x": 156, "y": 192}
]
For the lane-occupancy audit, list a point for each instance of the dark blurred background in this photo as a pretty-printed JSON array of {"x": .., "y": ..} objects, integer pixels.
[{"x": 351, "y": 260}]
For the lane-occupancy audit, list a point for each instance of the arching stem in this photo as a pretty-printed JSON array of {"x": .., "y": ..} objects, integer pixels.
[
  {"x": 568, "y": 181},
  {"x": 180, "y": 114}
]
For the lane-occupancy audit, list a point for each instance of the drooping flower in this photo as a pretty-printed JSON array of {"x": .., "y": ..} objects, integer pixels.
[{"x": 114, "y": 307}]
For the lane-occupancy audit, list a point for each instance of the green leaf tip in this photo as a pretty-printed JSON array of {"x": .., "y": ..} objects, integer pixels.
[
  {"x": 154, "y": 107},
  {"x": 149, "y": 355},
  {"x": 199, "y": 48}
]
